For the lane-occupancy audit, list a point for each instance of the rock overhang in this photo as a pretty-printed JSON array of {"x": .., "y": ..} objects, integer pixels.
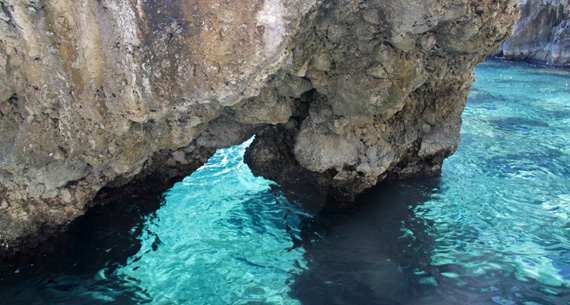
[{"x": 108, "y": 95}]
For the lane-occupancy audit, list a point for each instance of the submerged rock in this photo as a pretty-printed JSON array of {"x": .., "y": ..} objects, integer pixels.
[
  {"x": 100, "y": 99},
  {"x": 542, "y": 33}
]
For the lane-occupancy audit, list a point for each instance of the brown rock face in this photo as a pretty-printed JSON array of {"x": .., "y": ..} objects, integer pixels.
[
  {"x": 542, "y": 33},
  {"x": 99, "y": 99}
]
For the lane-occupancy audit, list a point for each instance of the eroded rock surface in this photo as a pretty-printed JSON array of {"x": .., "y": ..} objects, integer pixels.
[
  {"x": 390, "y": 82},
  {"x": 541, "y": 34},
  {"x": 99, "y": 99}
]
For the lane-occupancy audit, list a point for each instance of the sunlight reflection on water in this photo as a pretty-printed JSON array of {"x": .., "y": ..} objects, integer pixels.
[{"x": 501, "y": 219}]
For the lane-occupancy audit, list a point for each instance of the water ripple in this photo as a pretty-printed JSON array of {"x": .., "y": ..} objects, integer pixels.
[
  {"x": 504, "y": 199},
  {"x": 223, "y": 239},
  {"x": 493, "y": 229}
]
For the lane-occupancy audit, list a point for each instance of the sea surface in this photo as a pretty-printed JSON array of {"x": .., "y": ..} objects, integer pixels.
[{"x": 494, "y": 228}]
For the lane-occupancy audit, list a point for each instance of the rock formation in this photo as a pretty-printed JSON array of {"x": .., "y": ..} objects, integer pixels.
[
  {"x": 542, "y": 33},
  {"x": 99, "y": 99}
]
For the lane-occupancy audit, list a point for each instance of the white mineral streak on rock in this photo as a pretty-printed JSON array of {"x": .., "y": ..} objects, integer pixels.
[
  {"x": 89, "y": 43},
  {"x": 25, "y": 28},
  {"x": 271, "y": 18},
  {"x": 127, "y": 28}
]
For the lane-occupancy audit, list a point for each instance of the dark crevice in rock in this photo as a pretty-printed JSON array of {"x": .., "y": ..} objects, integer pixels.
[
  {"x": 271, "y": 153},
  {"x": 167, "y": 167},
  {"x": 157, "y": 174}
]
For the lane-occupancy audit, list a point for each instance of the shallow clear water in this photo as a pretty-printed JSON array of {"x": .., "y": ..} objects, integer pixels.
[
  {"x": 493, "y": 229},
  {"x": 501, "y": 224},
  {"x": 220, "y": 238}
]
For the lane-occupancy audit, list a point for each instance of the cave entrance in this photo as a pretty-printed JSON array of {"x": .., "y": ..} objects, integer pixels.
[{"x": 220, "y": 224}]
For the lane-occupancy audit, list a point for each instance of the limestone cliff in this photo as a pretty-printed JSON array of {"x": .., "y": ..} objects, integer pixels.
[
  {"x": 103, "y": 98},
  {"x": 541, "y": 34}
]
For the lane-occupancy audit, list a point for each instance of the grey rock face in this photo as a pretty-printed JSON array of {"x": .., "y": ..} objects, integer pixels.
[
  {"x": 542, "y": 33},
  {"x": 99, "y": 99},
  {"x": 390, "y": 81}
]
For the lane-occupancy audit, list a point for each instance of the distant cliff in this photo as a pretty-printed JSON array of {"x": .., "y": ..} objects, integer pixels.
[
  {"x": 541, "y": 34},
  {"x": 99, "y": 99}
]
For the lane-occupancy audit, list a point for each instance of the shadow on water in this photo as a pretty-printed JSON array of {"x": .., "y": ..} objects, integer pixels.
[
  {"x": 72, "y": 267},
  {"x": 372, "y": 252}
]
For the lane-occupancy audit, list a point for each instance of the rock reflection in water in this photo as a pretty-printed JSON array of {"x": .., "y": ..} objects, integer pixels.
[
  {"x": 73, "y": 268},
  {"x": 372, "y": 252}
]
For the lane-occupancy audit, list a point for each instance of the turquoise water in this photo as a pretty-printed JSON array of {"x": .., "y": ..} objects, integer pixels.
[
  {"x": 501, "y": 214},
  {"x": 220, "y": 238},
  {"x": 493, "y": 229}
]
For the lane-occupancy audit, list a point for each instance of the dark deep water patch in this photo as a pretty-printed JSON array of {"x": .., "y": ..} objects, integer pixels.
[
  {"x": 72, "y": 267},
  {"x": 371, "y": 253},
  {"x": 493, "y": 229}
]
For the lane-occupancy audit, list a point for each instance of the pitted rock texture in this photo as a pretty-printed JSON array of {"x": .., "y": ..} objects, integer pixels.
[
  {"x": 99, "y": 99},
  {"x": 390, "y": 82},
  {"x": 542, "y": 33}
]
